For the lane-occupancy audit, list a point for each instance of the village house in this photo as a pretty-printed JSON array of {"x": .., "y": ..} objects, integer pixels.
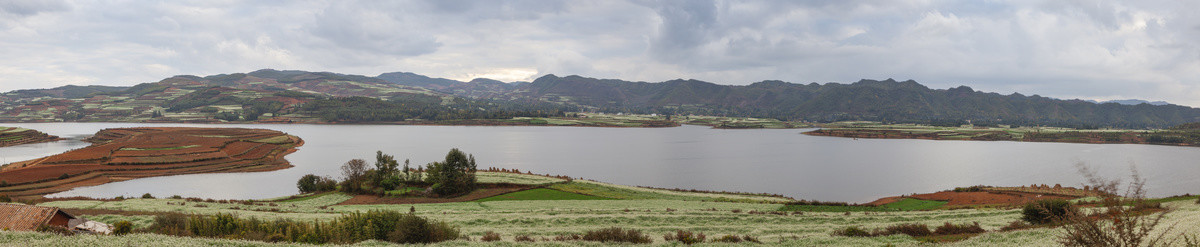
[{"x": 17, "y": 217}]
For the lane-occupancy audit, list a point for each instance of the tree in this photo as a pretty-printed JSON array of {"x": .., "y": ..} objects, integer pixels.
[
  {"x": 312, "y": 183},
  {"x": 354, "y": 169},
  {"x": 385, "y": 163},
  {"x": 455, "y": 175},
  {"x": 355, "y": 172}
]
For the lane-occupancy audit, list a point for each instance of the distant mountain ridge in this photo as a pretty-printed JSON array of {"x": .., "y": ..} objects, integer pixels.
[
  {"x": 1131, "y": 102},
  {"x": 876, "y": 100}
]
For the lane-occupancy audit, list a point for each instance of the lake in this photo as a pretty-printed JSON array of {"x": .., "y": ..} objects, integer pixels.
[{"x": 692, "y": 157}]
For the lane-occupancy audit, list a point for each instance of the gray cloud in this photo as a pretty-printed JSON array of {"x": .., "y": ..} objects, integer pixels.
[
  {"x": 1068, "y": 49},
  {"x": 31, "y": 7}
]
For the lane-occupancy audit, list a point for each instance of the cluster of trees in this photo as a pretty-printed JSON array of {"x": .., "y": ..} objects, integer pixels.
[
  {"x": 350, "y": 228},
  {"x": 453, "y": 176}
]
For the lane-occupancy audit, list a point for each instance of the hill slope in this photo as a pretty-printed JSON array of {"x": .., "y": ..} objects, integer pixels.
[{"x": 887, "y": 100}]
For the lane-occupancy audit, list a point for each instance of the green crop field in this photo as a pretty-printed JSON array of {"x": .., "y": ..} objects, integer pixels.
[
  {"x": 540, "y": 194},
  {"x": 914, "y": 204}
]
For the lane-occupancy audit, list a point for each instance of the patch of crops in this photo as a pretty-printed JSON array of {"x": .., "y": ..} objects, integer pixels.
[
  {"x": 540, "y": 194},
  {"x": 908, "y": 204}
]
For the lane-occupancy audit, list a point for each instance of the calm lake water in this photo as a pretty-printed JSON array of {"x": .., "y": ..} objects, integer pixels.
[{"x": 695, "y": 157}]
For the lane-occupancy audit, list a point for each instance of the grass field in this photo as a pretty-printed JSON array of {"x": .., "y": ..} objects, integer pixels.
[
  {"x": 545, "y": 213},
  {"x": 908, "y": 204},
  {"x": 515, "y": 178},
  {"x": 541, "y": 194}
]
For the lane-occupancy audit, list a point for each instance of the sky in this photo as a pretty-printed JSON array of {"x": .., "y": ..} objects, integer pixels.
[{"x": 1067, "y": 49}]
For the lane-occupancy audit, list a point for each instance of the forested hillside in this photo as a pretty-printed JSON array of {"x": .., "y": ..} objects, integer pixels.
[{"x": 290, "y": 96}]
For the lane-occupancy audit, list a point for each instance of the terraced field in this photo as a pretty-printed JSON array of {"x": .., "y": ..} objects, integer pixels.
[
  {"x": 128, "y": 153},
  {"x": 12, "y": 136}
]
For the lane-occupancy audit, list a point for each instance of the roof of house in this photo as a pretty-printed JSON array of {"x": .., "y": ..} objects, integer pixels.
[{"x": 17, "y": 217}]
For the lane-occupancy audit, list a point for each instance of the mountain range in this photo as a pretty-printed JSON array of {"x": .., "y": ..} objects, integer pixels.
[{"x": 289, "y": 95}]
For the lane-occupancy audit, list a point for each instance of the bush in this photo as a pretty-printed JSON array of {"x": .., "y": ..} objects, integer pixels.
[
  {"x": 852, "y": 231},
  {"x": 751, "y": 239},
  {"x": 147, "y": 196},
  {"x": 350, "y": 228},
  {"x": 911, "y": 229},
  {"x": 976, "y": 188},
  {"x": 951, "y": 229},
  {"x": 170, "y": 224},
  {"x": 685, "y": 237},
  {"x": 1015, "y": 225},
  {"x": 567, "y": 237},
  {"x": 728, "y": 239},
  {"x": 5, "y": 198},
  {"x": 122, "y": 227},
  {"x": 616, "y": 234},
  {"x": 490, "y": 236},
  {"x": 411, "y": 229},
  {"x": 523, "y": 238},
  {"x": 55, "y": 229},
  {"x": 312, "y": 183},
  {"x": 1046, "y": 211}
]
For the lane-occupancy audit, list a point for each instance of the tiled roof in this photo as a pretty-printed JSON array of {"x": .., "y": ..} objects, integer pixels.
[{"x": 16, "y": 217}]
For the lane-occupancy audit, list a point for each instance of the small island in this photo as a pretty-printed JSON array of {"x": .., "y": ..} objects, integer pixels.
[
  {"x": 12, "y": 136},
  {"x": 128, "y": 153}
]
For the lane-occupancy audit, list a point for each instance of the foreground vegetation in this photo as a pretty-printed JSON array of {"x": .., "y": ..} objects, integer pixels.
[{"x": 553, "y": 217}]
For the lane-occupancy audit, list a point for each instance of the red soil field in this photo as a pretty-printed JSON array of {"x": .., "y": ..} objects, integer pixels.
[
  {"x": 990, "y": 197},
  {"x": 23, "y": 137},
  {"x": 129, "y": 153}
]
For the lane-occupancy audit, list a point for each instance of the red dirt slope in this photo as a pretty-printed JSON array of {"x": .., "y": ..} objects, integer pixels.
[{"x": 128, "y": 153}]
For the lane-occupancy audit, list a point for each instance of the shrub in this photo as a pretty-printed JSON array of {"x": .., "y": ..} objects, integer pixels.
[
  {"x": 728, "y": 239},
  {"x": 976, "y": 188},
  {"x": 312, "y": 183},
  {"x": 567, "y": 237},
  {"x": 685, "y": 237},
  {"x": 490, "y": 236},
  {"x": 170, "y": 224},
  {"x": 751, "y": 239},
  {"x": 122, "y": 227},
  {"x": 1015, "y": 225},
  {"x": 442, "y": 231},
  {"x": 1046, "y": 211},
  {"x": 911, "y": 229},
  {"x": 616, "y": 234},
  {"x": 64, "y": 176},
  {"x": 852, "y": 231},
  {"x": 523, "y": 238},
  {"x": 147, "y": 196},
  {"x": 951, "y": 229},
  {"x": 55, "y": 229},
  {"x": 5, "y": 198},
  {"x": 350, "y": 228},
  {"x": 275, "y": 238},
  {"x": 176, "y": 197},
  {"x": 411, "y": 229}
]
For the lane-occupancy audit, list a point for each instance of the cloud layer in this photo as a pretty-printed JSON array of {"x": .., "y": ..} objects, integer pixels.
[{"x": 1066, "y": 49}]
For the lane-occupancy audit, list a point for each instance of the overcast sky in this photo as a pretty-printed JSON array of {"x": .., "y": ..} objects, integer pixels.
[{"x": 1066, "y": 49}]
